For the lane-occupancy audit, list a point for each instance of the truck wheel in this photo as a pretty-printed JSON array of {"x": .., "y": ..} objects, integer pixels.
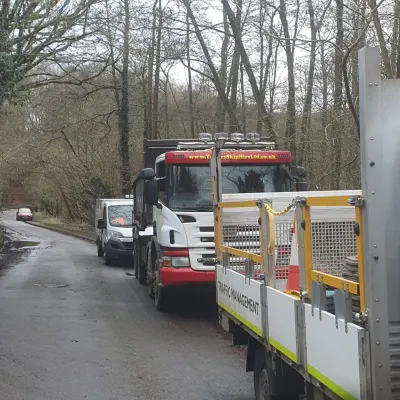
[
  {"x": 141, "y": 272},
  {"x": 160, "y": 294},
  {"x": 150, "y": 284},
  {"x": 100, "y": 251},
  {"x": 107, "y": 259},
  {"x": 135, "y": 260},
  {"x": 264, "y": 378}
]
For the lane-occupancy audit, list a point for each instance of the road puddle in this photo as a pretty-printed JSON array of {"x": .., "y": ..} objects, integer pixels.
[
  {"x": 51, "y": 285},
  {"x": 21, "y": 244}
]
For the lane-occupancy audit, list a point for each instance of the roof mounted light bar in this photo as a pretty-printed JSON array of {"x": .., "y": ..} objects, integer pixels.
[{"x": 224, "y": 141}]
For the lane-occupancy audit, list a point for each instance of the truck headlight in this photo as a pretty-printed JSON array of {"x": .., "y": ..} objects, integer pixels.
[{"x": 176, "y": 262}]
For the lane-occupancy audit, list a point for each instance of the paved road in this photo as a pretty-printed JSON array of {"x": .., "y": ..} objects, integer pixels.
[{"x": 100, "y": 338}]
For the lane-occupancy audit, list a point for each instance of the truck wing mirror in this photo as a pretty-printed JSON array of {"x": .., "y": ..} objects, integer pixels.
[
  {"x": 301, "y": 184},
  {"x": 301, "y": 172},
  {"x": 101, "y": 224},
  {"x": 147, "y": 174},
  {"x": 151, "y": 192}
]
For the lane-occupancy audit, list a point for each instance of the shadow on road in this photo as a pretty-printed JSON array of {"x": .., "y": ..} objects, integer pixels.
[{"x": 196, "y": 303}]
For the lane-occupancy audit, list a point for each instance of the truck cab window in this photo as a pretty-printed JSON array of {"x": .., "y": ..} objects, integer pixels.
[{"x": 161, "y": 178}]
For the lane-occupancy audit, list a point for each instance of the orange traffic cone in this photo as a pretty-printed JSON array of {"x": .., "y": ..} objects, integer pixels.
[{"x": 293, "y": 282}]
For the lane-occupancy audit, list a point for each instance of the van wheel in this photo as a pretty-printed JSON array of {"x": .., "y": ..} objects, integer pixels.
[{"x": 100, "y": 251}]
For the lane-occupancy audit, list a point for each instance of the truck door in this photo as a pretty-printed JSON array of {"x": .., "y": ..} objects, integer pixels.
[{"x": 161, "y": 179}]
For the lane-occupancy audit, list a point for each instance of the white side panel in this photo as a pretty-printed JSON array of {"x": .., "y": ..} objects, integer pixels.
[
  {"x": 333, "y": 356},
  {"x": 282, "y": 200},
  {"x": 239, "y": 297},
  {"x": 282, "y": 324},
  {"x": 288, "y": 195}
]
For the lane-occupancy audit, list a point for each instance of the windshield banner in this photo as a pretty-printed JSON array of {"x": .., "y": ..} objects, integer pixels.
[{"x": 229, "y": 157}]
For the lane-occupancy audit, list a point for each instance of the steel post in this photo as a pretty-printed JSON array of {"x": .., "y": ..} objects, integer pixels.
[{"x": 380, "y": 171}]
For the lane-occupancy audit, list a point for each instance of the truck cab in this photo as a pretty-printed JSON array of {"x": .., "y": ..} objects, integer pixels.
[
  {"x": 114, "y": 229},
  {"x": 181, "y": 250}
]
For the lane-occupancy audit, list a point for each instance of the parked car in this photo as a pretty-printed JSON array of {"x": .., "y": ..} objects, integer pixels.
[{"x": 24, "y": 214}]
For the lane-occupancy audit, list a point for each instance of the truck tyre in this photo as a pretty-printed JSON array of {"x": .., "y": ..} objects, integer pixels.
[
  {"x": 160, "y": 293},
  {"x": 141, "y": 272},
  {"x": 100, "y": 251},
  {"x": 136, "y": 260},
  {"x": 264, "y": 377},
  {"x": 107, "y": 260},
  {"x": 150, "y": 284}
]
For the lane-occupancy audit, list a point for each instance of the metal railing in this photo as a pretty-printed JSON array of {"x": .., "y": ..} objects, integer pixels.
[
  {"x": 327, "y": 245},
  {"x": 252, "y": 234},
  {"x": 238, "y": 224}
]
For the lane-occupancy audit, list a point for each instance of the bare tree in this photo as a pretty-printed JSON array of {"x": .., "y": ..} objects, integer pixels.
[{"x": 32, "y": 33}]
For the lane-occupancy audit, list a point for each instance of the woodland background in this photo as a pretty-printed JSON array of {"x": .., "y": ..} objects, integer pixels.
[{"x": 82, "y": 82}]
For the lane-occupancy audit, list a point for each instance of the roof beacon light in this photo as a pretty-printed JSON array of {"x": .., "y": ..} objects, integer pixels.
[
  {"x": 253, "y": 137},
  {"x": 221, "y": 136},
  {"x": 237, "y": 137},
  {"x": 205, "y": 137}
]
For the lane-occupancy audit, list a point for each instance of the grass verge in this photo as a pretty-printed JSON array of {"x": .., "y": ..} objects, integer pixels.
[{"x": 81, "y": 231}]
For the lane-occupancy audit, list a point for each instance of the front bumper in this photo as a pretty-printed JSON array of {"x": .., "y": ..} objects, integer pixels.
[
  {"x": 185, "y": 276},
  {"x": 119, "y": 249}
]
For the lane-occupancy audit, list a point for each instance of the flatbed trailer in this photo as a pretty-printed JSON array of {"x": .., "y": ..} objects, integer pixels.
[{"x": 328, "y": 326}]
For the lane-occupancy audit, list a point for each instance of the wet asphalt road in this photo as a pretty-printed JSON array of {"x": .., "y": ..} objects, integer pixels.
[{"x": 99, "y": 337}]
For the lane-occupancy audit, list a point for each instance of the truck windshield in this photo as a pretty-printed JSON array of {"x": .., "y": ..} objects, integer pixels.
[
  {"x": 120, "y": 215},
  {"x": 190, "y": 185}
]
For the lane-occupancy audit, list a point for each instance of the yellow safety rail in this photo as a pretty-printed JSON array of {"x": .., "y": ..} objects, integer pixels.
[
  {"x": 218, "y": 234},
  {"x": 249, "y": 243},
  {"x": 311, "y": 274}
]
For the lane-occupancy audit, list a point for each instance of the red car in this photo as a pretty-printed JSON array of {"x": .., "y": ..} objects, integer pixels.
[{"x": 24, "y": 214}]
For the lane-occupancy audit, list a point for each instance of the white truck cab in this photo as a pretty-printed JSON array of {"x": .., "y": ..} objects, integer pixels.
[{"x": 114, "y": 229}]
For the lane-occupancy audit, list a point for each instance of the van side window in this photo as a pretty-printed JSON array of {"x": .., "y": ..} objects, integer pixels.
[
  {"x": 104, "y": 214},
  {"x": 161, "y": 178}
]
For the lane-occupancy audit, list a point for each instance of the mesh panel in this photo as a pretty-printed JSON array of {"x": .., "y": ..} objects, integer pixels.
[
  {"x": 332, "y": 242},
  {"x": 246, "y": 237}
]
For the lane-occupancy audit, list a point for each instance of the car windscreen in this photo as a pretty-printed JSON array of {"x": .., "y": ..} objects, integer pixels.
[
  {"x": 120, "y": 215},
  {"x": 24, "y": 211}
]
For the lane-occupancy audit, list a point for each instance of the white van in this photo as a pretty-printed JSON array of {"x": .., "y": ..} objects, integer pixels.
[{"x": 114, "y": 229}]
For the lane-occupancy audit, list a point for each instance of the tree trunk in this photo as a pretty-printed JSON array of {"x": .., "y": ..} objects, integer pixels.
[
  {"x": 382, "y": 43},
  {"x": 250, "y": 74},
  {"x": 395, "y": 37},
  {"x": 149, "y": 134},
  {"x": 124, "y": 110},
  {"x": 189, "y": 71},
  {"x": 156, "y": 132},
  {"x": 243, "y": 94},
  {"x": 324, "y": 114},
  {"x": 217, "y": 83},
  {"x": 291, "y": 100},
  {"x": 235, "y": 66},
  {"x": 223, "y": 73},
  {"x": 337, "y": 99},
  {"x": 306, "y": 118}
]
